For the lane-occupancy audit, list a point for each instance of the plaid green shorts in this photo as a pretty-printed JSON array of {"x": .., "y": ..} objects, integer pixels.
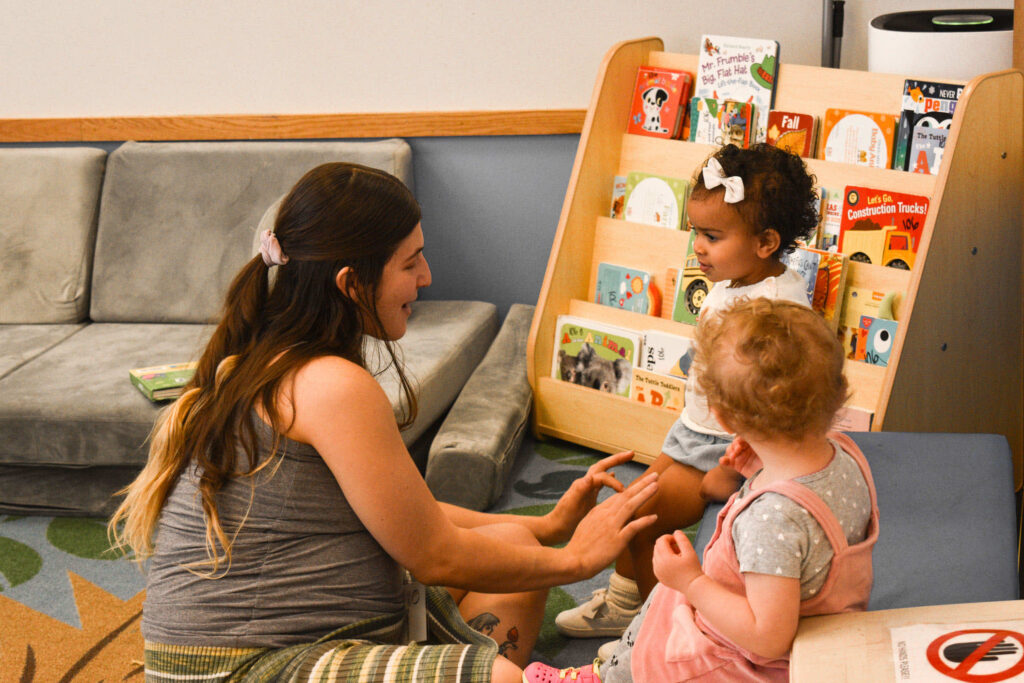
[{"x": 455, "y": 652}]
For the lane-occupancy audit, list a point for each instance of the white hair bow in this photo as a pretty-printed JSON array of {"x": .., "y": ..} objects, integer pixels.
[
  {"x": 270, "y": 249},
  {"x": 714, "y": 176}
]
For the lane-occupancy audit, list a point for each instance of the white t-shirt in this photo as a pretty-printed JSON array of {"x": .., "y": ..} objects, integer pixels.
[{"x": 788, "y": 286}]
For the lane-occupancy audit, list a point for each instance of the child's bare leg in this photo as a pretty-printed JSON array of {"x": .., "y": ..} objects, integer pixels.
[
  {"x": 610, "y": 610},
  {"x": 677, "y": 503},
  {"x": 505, "y": 671},
  {"x": 624, "y": 562},
  {"x": 512, "y": 620},
  {"x": 720, "y": 483}
]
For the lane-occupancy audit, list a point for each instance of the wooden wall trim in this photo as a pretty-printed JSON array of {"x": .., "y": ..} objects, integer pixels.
[{"x": 294, "y": 126}]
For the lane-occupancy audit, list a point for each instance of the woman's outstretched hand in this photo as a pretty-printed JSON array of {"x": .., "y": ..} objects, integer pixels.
[
  {"x": 582, "y": 497},
  {"x": 609, "y": 527}
]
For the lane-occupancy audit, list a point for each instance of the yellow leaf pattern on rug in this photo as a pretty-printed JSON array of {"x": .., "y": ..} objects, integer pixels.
[{"x": 35, "y": 646}]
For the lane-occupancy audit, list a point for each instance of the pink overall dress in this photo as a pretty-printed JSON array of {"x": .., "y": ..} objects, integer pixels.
[{"x": 676, "y": 644}]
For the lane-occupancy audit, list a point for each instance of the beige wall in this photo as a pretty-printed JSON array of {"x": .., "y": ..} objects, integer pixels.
[{"x": 68, "y": 58}]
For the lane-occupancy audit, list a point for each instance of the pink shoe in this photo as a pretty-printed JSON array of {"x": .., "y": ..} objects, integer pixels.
[{"x": 542, "y": 673}]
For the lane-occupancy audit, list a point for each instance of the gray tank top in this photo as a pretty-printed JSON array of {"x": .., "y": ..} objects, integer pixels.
[{"x": 302, "y": 566}]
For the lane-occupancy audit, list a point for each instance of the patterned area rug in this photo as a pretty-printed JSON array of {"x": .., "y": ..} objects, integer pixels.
[{"x": 70, "y": 608}]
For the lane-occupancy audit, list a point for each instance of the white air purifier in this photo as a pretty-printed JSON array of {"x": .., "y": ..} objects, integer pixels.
[{"x": 941, "y": 44}]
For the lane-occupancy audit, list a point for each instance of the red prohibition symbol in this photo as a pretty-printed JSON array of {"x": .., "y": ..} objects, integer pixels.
[{"x": 988, "y": 640}]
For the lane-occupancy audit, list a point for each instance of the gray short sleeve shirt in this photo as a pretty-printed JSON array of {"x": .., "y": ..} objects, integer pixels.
[{"x": 776, "y": 536}]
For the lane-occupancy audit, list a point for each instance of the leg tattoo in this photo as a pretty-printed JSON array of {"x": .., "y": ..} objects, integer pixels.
[{"x": 486, "y": 622}]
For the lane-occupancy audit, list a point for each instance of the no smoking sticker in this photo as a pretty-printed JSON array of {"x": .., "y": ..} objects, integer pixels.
[{"x": 972, "y": 653}]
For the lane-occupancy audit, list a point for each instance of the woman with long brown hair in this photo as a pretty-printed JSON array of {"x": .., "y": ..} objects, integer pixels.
[{"x": 280, "y": 512}]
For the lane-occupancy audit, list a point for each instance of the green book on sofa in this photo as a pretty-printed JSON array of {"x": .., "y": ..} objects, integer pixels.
[{"x": 162, "y": 382}]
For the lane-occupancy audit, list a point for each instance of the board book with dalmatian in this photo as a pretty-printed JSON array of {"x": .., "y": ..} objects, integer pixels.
[{"x": 660, "y": 98}]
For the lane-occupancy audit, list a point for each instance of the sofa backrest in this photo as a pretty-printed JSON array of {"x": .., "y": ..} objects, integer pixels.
[
  {"x": 177, "y": 219},
  {"x": 49, "y": 199}
]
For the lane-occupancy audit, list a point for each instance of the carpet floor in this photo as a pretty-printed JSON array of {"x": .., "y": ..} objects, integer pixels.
[{"x": 70, "y": 608}]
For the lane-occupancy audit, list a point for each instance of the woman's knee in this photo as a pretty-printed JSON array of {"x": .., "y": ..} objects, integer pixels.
[{"x": 509, "y": 532}]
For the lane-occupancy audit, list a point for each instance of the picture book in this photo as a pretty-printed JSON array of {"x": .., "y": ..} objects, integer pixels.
[
  {"x": 921, "y": 97},
  {"x": 594, "y": 354},
  {"x": 881, "y": 227},
  {"x": 793, "y": 132},
  {"x": 928, "y": 141},
  {"x": 162, "y": 382},
  {"x": 926, "y": 149},
  {"x": 875, "y": 339},
  {"x": 735, "y": 121},
  {"x": 858, "y": 137},
  {"x": 720, "y": 122},
  {"x": 667, "y": 353},
  {"x": 742, "y": 69},
  {"x": 656, "y": 200},
  {"x": 627, "y": 289},
  {"x": 704, "y": 121},
  {"x": 660, "y": 391},
  {"x": 804, "y": 262},
  {"x": 862, "y": 305},
  {"x": 691, "y": 288},
  {"x": 829, "y": 287},
  {"x": 824, "y": 272},
  {"x": 618, "y": 209},
  {"x": 932, "y": 119},
  {"x": 668, "y": 295},
  {"x": 660, "y": 98},
  {"x": 831, "y": 213},
  {"x": 853, "y": 419}
]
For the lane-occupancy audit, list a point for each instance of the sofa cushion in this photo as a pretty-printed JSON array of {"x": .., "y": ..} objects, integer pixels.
[
  {"x": 443, "y": 344},
  {"x": 472, "y": 454},
  {"x": 50, "y": 199},
  {"x": 171, "y": 209},
  {"x": 72, "y": 414},
  {"x": 21, "y": 343},
  {"x": 74, "y": 404},
  {"x": 62, "y": 491},
  {"x": 947, "y": 519}
]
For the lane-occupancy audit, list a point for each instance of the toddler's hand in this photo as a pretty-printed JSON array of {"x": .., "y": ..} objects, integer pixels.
[
  {"x": 675, "y": 561},
  {"x": 741, "y": 457}
]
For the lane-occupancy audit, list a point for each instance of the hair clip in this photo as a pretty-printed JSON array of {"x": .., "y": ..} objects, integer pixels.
[
  {"x": 714, "y": 176},
  {"x": 270, "y": 249}
]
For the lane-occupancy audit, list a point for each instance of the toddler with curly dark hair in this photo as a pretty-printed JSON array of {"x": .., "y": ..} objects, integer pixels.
[{"x": 748, "y": 208}]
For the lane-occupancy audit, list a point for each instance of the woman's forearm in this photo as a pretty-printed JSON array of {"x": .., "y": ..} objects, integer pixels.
[
  {"x": 477, "y": 562},
  {"x": 465, "y": 518},
  {"x": 476, "y": 558}
]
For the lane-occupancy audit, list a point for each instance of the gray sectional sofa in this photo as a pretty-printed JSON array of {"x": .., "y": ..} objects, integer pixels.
[{"x": 120, "y": 260}]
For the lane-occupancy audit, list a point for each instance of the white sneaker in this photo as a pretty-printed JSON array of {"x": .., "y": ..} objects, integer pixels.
[{"x": 607, "y": 614}]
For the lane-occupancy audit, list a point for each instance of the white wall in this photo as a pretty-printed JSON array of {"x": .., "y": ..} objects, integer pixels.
[{"x": 146, "y": 57}]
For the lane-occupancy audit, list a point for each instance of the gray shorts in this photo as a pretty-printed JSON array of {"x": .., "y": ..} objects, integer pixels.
[{"x": 695, "y": 449}]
